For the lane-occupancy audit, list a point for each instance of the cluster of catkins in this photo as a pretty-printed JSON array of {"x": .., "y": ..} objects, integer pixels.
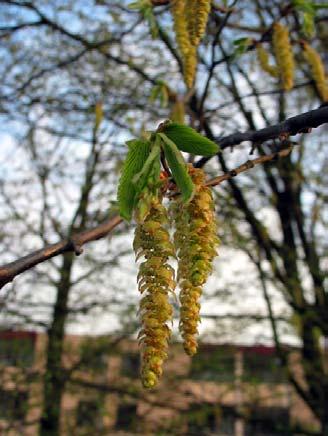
[
  {"x": 195, "y": 244},
  {"x": 284, "y": 69},
  {"x": 190, "y": 19}
]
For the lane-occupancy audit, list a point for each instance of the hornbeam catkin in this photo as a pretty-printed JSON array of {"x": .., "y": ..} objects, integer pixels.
[
  {"x": 187, "y": 50},
  {"x": 177, "y": 114},
  {"x": 190, "y": 66},
  {"x": 263, "y": 59},
  {"x": 196, "y": 243},
  {"x": 197, "y": 12},
  {"x": 180, "y": 25},
  {"x": 317, "y": 70},
  {"x": 155, "y": 281},
  {"x": 284, "y": 55}
]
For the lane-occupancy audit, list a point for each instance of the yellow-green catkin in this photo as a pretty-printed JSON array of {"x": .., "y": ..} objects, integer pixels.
[
  {"x": 263, "y": 59},
  {"x": 187, "y": 50},
  {"x": 317, "y": 70},
  {"x": 197, "y": 12},
  {"x": 284, "y": 55},
  {"x": 155, "y": 282},
  {"x": 190, "y": 67},
  {"x": 180, "y": 25},
  {"x": 196, "y": 244},
  {"x": 177, "y": 113}
]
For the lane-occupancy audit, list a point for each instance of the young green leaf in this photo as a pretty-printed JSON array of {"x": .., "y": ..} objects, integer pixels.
[
  {"x": 135, "y": 160},
  {"x": 241, "y": 45},
  {"x": 187, "y": 139},
  {"x": 178, "y": 167},
  {"x": 140, "y": 180}
]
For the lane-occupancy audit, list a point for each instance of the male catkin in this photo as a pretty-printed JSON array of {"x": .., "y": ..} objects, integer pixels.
[
  {"x": 197, "y": 12},
  {"x": 284, "y": 55},
  {"x": 263, "y": 59},
  {"x": 196, "y": 243},
  {"x": 190, "y": 66},
  {"x": 187, "y": 50},
  {"x": 317, "y": 70},
  {"x": 180, "y": 25},
  {"x": 155, "y": 281}
]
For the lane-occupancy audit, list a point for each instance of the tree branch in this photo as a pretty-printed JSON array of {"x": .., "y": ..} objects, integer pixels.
[
  {"x": 292, "y": 126},
  {"x": 302, "y": 123},
  {"x": 9, "y": 271},
  {"x": 248, "y": 165}
]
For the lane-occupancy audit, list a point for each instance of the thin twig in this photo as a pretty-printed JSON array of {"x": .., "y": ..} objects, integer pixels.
[{"x": 248, "y": 165}]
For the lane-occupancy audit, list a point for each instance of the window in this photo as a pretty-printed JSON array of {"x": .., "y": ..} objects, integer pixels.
[
  {"x": 94, "y": 359},
  {"x": 89, "y": 414},
  {"x": 215, "y": 365},
  {"x": 227, "y": 421},
  {"x": 203, "y": 419},
  {"x": 130, "y": 365},
  {"x": 126, "y": 418},
  {"x": 268, "y": 421},
  {"x": 262, "y": 368},
  {"x": 13, "y": 405},
  {"x": 16, "y": 350}
]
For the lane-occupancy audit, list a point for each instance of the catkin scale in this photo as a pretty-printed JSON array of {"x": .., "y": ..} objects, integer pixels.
[
  {"x": 155, "y": 281},
  {"x": 284, "y": 55},
  {"x": 317, "y": 70},
  {"x": 195, "y": 242}
]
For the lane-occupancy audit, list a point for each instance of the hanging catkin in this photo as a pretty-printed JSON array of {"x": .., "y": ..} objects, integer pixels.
[
  {"x": 177, "y": 113},
  {"x": 187, "y": 50},
  {"x": 196, "y": 243},
  {"x": 263, "y": 59},
  {"x": 155, "y": 281},
  {"x": 284, "y": 55},
  {"x": 190, "y": 66},
  {"x": 317, "y": 70},
  {"x": 197, "y": 12}
]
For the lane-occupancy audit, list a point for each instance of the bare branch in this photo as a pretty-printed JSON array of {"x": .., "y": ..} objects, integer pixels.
[
  {"x": 9, "y": 271},
  {"x": 302, "y": 123},
  {"x": 248, "y": 165}
]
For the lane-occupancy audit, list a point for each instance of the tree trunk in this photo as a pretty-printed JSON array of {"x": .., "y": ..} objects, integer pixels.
[{"x": 54, "y": 381}]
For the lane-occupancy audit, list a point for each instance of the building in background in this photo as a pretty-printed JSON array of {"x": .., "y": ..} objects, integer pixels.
[{"x": 223, "y": 390}]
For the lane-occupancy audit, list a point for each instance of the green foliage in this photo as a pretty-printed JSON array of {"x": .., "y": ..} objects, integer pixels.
[
  {"x": 145, "y": 8},
  {"x": 141, "y": 179},
  {"x": 178, "y": 168},
  {"x": 160, "y": 92},
  {"x": 190, "y": 141},
  {"x": 307, "y": 10},
  {"x": 147, "y": 183},
  {"x": 137, "y": 156},
  {"x": 240, "y": 46}
]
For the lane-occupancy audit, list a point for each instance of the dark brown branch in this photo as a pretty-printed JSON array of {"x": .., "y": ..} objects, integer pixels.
[
  {"x": 9, "y": 271},
  {"x": 302, "y": 123}
]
